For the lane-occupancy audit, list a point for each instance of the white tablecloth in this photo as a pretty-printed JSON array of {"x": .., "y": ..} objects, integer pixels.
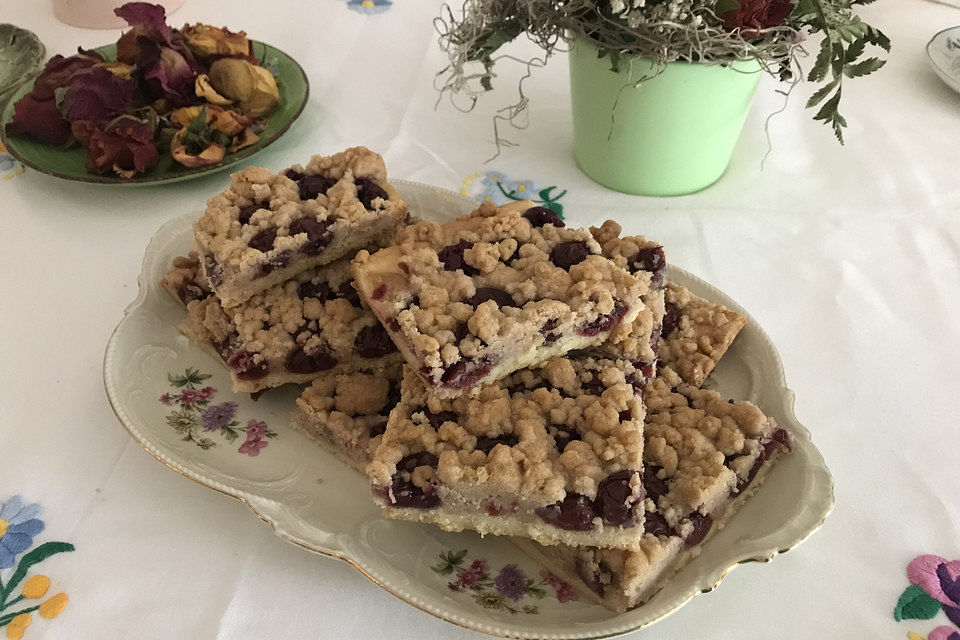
[{"x": 849, "y": 258}]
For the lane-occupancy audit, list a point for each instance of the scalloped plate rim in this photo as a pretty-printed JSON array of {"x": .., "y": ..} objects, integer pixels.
[
  {"x": 951, "y": 80},
  {"x": 260, "y": 505}
]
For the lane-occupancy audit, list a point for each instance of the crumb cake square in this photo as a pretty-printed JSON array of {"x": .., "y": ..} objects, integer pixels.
[
  {"x": 696, "y": 333},
  {"x": 703, "y": 454},
  {"x": 495, "y": 291},
  {"x": 638, "y": 341},
  {"x": 347, "y": 413},
  {"x": 552, "y": 452},
  {"x": 290, "y": 333},
  {"x": 266, "y": 227}
]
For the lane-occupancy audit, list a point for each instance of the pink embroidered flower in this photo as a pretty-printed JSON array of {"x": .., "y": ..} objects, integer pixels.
[
  {"x": 190, "y": 396},
  {"x": 256, "y": 429},
  {"x": 563, "y": 591},
  {"x": 944, "y": 633},
  {"x": 207, "y": 393},
  {"x": 938, "y": 577},
  {"x": 165, "y": 399},
  {"x": 453, "y": 586},
  {"x": 252, "y": 447},
  {"x": 471, "y": 575}
]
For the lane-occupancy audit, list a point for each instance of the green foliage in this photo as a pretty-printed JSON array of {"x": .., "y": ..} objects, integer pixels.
[
  {"x": 915, "y": 604},
  {"x": 189, "y": 378},
  {"x": 845, "y": 39},
  {"x": 450, "y": 561},
  {"x": 36, "y": 556},
  {"x": 201, "y": 135}
]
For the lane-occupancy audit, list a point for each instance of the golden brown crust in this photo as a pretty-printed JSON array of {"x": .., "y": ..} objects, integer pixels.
[
  {"x": 238, "y": 266},
  {"x": 699, "y": 335},
  {"x": 585, "y": 397},
  {"x": 423, "y": 288},
  {"x": 350, "y": 409},
  {"x": 315, "y": 315}
]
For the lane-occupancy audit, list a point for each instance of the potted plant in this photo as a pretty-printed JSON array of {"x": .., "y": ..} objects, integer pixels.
[{"x": 661, "y": 88}]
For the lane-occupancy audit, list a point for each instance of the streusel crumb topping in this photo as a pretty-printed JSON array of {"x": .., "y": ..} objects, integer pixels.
[
  {"x": 262, "y": 212},
  {"x": 691, "y": 433},
  {"x": 454, "y": 289},
  {"x": 696, "y": 333},
  {"x": 539, "y": 433}
]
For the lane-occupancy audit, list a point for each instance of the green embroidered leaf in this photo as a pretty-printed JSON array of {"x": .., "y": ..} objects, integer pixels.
[
  {"x": 6, "y": 618},
  {"x": 39, "y": 554},
  {"x": 205, "y": 443},
  {"x": 915, "y": 604},
  {"x": 271, "y": 434},
  {"x": 229, "y": 433},
  {"x": 530, "y": 609},
  {"x": 556, "y": 207}
]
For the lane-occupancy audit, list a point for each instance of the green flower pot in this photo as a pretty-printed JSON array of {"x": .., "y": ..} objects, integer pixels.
[{"x": 672, "y": 135}]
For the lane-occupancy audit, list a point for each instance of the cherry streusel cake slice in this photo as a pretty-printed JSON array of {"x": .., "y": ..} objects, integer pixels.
[
  {"x": 696, "y": 333},
  {"x": 552, "y": 452},
  {"x": 703, "y": 454},
  {"x": 346, "y": 413},
  {"x": 638, "y": 341},
  {"x": 267, "y": 227},
  {"x": 291, "y": 333},
  {"x": 495, "y": 291}
]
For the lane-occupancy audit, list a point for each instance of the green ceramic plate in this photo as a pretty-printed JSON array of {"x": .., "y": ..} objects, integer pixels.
[{"x": 71, "y": 164}]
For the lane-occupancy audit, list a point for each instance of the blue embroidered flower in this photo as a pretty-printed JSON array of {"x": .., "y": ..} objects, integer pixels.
[
  {"x": 7, "y": 163},
  {"x": 369, "y": 7},
  {"x": 19, "y": 524},
  {"x": 500, "y": 189},
  {"x": 217, "y": 416}
]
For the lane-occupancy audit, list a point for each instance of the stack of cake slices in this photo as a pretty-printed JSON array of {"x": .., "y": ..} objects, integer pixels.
[{"x": 502, "y": 373}]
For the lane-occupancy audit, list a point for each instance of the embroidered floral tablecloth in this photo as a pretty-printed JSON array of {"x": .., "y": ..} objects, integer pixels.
[{"x": 848, "y": 257}]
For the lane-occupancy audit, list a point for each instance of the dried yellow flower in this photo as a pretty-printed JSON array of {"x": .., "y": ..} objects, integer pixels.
[
  {"x": 205, "y": 40},
  {"x": 251, "y": 87},
  {"x": 206, "y": 91}
]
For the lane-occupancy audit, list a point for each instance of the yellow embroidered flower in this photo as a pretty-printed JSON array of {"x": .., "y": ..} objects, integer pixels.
[
  {"x": 911, "y": 635},
  {"x": 17, "y": 626},
  {"x": 36, "y": 586},
  {"x": 522, "y": 187},
  {"x": 54, "y": 606},
  {"x": 3, "y": 527}
]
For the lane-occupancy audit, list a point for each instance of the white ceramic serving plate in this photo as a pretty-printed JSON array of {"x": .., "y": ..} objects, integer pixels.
[
  {"x": 313, "y": 500},
  {"x": 943, "y": 50}
]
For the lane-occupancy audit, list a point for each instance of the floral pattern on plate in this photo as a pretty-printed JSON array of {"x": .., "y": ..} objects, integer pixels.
[
  {"x": 195, "y": 417},
  {"x": 506, "y": 589}
]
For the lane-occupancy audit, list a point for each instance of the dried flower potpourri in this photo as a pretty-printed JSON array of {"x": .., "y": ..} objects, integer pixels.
[{"x": 197, "y": 93}]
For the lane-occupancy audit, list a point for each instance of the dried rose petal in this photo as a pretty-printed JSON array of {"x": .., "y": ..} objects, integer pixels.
[
  {"x": 206, "y": 40},
  {"x": 252, "y": 87}
]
